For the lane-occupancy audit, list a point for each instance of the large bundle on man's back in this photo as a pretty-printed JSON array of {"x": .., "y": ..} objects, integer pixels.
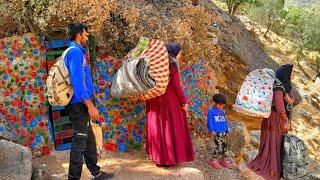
[{"x": 145, "y": 73}]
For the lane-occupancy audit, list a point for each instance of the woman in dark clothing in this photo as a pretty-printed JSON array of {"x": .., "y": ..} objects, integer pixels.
[{"x": 267, "y": 164}]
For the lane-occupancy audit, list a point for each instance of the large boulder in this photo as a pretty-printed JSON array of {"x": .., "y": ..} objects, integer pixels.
[
  {"x": 15, "y": 161},
  {"x": 249, "y": 154},
  {"x": 238, "y": 137},
  {"x": 305, "y": 114},
  {"x": 250, "y": 151},
  {"x": 255, "y": 138},
  {"x": 204, "y": 30},
  {"x": 315, "y": 100}
]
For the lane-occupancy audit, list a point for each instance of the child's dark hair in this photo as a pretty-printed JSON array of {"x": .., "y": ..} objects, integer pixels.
[
  {"x": 219, "y": 99},
  {"x": 74, "y": 29}
]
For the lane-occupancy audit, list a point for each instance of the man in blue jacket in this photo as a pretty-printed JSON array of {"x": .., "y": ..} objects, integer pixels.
[{"x": 81, "y": 108}]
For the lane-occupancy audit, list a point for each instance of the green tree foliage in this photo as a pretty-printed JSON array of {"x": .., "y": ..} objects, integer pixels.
[
  {"x": 304, "y": 25},
  {"x": 294, "y": 21},
  {"x": 233, "y": 5},
  {"x": 267, "y": 12},
  {"x": 311, "y": 30}
]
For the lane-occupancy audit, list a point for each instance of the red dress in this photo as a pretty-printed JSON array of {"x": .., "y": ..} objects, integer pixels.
[
  {"x": 268, "y": 164},
  {"x": 168, "y": 139}
]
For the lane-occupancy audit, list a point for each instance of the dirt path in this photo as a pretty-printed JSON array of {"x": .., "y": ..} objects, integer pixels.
[{"x": 133, "y": 165}]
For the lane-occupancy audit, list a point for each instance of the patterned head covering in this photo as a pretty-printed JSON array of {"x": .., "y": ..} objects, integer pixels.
[
  {"x": 173, "y": 49},
  {"x": 284, "y": 75}
]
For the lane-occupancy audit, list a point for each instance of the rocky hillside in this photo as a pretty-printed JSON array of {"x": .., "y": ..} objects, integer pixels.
[{"x": 204, "y": 30}]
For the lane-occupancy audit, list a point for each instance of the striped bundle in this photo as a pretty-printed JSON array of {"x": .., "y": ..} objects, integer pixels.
[
  {"x": 128, "y": 84},
  {"x": 155, "y": 52}
]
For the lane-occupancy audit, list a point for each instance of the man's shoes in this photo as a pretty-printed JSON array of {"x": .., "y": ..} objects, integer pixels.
[{"x": 103, "y": 176}]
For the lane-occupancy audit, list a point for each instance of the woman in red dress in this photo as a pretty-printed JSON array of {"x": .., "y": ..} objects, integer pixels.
[
  {"x": 168, "y": 139},
  {"x": 267, "y": 164}
]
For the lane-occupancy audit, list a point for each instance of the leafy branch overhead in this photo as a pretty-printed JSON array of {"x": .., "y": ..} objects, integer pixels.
[{"x": 233, "y": 5}]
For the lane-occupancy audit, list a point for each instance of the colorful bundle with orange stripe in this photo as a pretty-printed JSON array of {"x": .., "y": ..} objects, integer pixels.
[{"x": 155, "y": 56}]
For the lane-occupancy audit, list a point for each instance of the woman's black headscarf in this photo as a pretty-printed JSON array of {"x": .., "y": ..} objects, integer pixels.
[
  {"x": 284, "y": 74},
  {"x": 173, "y": 49}
]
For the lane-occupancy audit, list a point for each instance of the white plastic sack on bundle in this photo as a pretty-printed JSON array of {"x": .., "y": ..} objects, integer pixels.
[{"x": 132, "y": 79}]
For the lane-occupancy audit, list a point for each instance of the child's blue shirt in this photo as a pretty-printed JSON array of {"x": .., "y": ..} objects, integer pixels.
[{"x": 217, "y": 121}]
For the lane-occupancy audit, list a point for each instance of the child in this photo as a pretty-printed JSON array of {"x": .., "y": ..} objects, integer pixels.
[{"x": 218, "y": 126}]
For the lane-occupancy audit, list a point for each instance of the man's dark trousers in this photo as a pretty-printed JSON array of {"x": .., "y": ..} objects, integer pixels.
[{"x": 83, "y": 142}]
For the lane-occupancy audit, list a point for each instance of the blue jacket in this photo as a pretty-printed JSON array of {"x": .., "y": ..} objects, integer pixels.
[
  {"x": 217, "y": 121},
  {"x": 80, "y": 74}
]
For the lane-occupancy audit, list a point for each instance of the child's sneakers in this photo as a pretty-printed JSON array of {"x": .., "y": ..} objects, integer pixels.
[
  {"x": 215, "y": 164},
  {"x": 226, "y": 163}
]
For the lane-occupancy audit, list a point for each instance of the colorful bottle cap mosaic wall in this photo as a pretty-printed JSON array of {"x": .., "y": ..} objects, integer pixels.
[
  {"x": 195, "y": 79},
  {"x": 123, "y": 120},
  {"x": 23, "y": 107}
]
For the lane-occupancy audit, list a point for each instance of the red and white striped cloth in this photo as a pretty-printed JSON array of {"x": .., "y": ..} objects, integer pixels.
[{"x": 157, "y": 58}]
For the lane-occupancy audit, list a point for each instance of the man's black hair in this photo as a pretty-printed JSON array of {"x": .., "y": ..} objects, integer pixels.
[
  {"x": 219, "y": 99},
  {"x": 74, "y": 29}
]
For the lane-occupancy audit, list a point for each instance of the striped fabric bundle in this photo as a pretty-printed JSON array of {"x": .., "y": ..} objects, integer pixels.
[
  {"x": 132, "y": 79},
  {"x": 148, "y": 80},
  {"x": 155, "y": 52}
]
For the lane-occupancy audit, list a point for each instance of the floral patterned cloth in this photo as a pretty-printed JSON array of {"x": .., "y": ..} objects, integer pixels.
[{"x": 255, "y": 96}]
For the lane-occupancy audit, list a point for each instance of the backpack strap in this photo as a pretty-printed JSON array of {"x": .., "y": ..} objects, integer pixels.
[
  {"x": 66, "y": 51},
  {"x": 62, "y": 57}
]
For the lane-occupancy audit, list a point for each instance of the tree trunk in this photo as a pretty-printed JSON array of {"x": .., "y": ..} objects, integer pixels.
[
  {"x": 302, "y": 70},
  {"x": 268, "y": 28},
  {"x": 235, "y": 8},
  {"x": 232, "y": 9},
  {"x": 229, "y": 3}
]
